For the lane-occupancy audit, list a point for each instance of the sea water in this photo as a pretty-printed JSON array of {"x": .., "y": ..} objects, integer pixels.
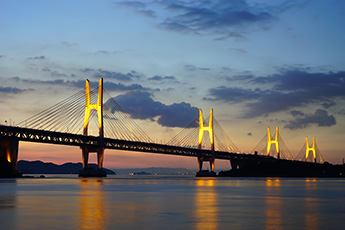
[{"x": 171, "y": 202}]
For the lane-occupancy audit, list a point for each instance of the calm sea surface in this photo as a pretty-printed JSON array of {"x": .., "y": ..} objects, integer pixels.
[{"x": 171, "y": 202}]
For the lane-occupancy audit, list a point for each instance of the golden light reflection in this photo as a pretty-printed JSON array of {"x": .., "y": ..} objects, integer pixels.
[
  {"x": 206, "y": 205},
  {"x": 91, "y": 214},
  {"x": 273, "y": 204},
  {"x": 311, "y": 205}
]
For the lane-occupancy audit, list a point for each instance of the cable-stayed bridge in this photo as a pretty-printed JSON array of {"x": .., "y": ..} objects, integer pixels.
[{"x": 67, "y": 123}]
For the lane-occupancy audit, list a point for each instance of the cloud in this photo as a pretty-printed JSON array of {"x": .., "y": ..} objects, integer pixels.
[
  {"x": 160, "y": 78},
  {"x": 109, "y": 86},
  {"x": 11, "y": 90},
  {"x": 282, "y": 91},
  {"x": 320, "y": 118},
  {"x": 223, "y": 18},
  {"x": 138, "y": 7},
  {"x": 97, "y": 73},
  {"x": 220, "y": 17},
  {"x": 296, "y": 113},
  {"x": 36, "y": 58},
  {"x": 69, "y": 44},
  {"x": 54, "y": 73},
  {"x": 192, "y": 68},
  {"x": 235, "y": 95},
  {"x": 140, "y": 105}
]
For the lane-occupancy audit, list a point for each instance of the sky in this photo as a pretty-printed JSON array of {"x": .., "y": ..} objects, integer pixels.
[{"x": 256, "y": 63}]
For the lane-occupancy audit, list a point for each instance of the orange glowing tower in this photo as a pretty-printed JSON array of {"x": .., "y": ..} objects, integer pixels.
[
  {"x": 308, "y": 149},
  {"x": 99, "y": 107},
  {"x": 270, "y": 141},
  {"x": 209, "y": 129}
]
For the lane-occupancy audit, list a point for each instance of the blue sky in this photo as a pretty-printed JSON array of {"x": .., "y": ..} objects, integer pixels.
[{"x": 257, "y": 63}]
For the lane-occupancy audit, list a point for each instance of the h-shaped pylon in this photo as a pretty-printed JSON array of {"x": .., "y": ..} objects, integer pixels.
[
  {"x": 202, "y": 129},
  {"x": 308, "y": 149},
  {"x": 99, "y": 107},
  {"x": 275, "y": 141}
]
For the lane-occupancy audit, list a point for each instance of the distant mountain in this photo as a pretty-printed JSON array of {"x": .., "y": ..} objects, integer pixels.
[
  {"x": 39, "y": 167},
  {"x": 156, "y": 171}
]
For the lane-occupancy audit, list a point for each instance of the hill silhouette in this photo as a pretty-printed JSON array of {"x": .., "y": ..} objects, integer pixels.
[{"x": 39, "y": 167}]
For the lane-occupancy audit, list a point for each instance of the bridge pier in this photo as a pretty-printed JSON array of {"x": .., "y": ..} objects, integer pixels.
[
  {"x": 92, "y": 172},
  {"x": 100, "y": 156},
  {"x": 9, "y": 155},
  {"x": 201, "y": 161},
  {"x": 234, "y": 164}
]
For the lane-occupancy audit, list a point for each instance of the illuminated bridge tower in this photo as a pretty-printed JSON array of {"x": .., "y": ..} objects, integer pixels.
[
  {"x": 270, "y": 141},
  {"x": 210, "y": 130},
  {"x": 100, "y": 148},
  {"x": 308, "y": 149}
]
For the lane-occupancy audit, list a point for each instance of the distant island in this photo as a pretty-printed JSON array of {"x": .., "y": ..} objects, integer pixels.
[
  {"x": 39, "y": 167},
  {"x": 140, "y": 173}
]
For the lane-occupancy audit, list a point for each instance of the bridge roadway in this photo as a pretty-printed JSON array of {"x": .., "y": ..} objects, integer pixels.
[{"x": 52, "y": 137}]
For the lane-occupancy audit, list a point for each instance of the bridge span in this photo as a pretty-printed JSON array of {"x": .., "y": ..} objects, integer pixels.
[{"x": 11, "y": 135}]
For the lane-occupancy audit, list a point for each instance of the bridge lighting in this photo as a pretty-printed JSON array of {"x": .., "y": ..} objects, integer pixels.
[
  {"x": 99, "y": 107},
  {"x": 270, "y": 141},
  {"x": 202, "y": 129},
  {"x": 308, "y": 149}
]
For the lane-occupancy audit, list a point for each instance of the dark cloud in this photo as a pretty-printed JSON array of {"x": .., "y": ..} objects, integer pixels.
[
  {"x": 140, "y": 105},
  {"x": 289, "y": 89},
  {"x": 234, "y": 95},
  {"x": 162, "y": 79},
  {"x": 222, "y": 18},
  {"x": 236, "y": 36},
  {"x": 69, "y": 44},
  {"x": 137, "y": 6},
  {"x": 192, "y": 68},
  {"x": 36, "y": 58},
  {"x": 104, "y": 52},
  {"x": 327, "y": 105},
  {"x": 296, "y": 113},
  {"x": 320, "y": 118},
  {"x": 10, "y": 90},
  {"x": 109, "y": 86},
  {"x": 242, "y": 51},
  {"x": 3, "y": 56},
  {"x": 54, "y": 73},
  {"x": 32, "y": 81},
  {"x": 202, "y": 16},
  {"x": 97, "y": 73}
]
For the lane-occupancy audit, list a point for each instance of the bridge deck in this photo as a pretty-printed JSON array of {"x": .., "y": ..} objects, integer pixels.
[{"x": 44, "y": 136}]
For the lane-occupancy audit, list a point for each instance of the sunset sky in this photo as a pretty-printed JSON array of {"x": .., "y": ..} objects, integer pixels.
[{"x": 256, "y": 63}]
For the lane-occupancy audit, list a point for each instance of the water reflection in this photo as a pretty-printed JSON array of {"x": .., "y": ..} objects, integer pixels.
[
  {"x": 8, "y": 204},
  {"x": 7, "y": 198},
  {"x": 206, "y": 205},
  {"x": 273, "y": 209},
  {"x": 311, "y": 217},
  {"x": 91, "y": 212}
]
